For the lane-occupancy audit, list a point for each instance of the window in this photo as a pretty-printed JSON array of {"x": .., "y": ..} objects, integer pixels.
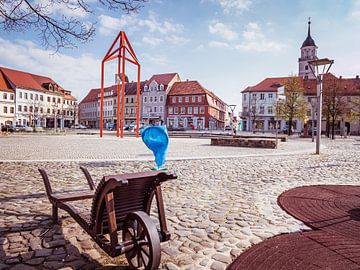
[
  {"x": 189, "y": 110},
  {"x": 173, "y": 99},
  {"x": 306, "y": 67},
  {"x": 11, "y": 109},
  {"x": 193, "y": 98},
  {"x": 254, "y": 95},
  {"x": 53, "y": 111},
  {"x": 25, "y": 95},
  {"x": 306, "y": 77},
  {"x": 186, "y": 99},
  {"x": 245, "y": 109},
  {"x": 245, "y": 97},
  {"x": 145, "y": 99},
  {"x": 262, "y": 110},
  {"x": 155, "y": 99},
  {"x": 41, "y": 110},
  {"x": 25, "y": 108},
  {"x": 59, "y": 101},
  {"x": 41, "y": 98},
  {"x": 151, "y": 99},
  {"x": 182, "y": 110},
  {"x": 180, "y": 99},
  {"x": 20, "y": 94},
  {"x": 199, "y": 98},
  {"x": 253, "y": 109},
  {"x": 161, "y": 87},
  {"x": 126, "y": 100},
  {"x": 146, "y": 88},
  {"x": 270, "y": 110},
  {"x": 11, "y": 96},
  {"x": 170, "y": 110},
  {"x": 262, "y": 96},
  {"x": 270, "y": 95},
  {"x": 54, "y": 100},
  {"x": 19, "y": 108},
  {"x": 5, "y": 109},
  {"x": 48, "y": 99},
  {"x": 161, "y": 109},
  {"x": 5, "y": 96},
  {"x": 202, "y": 110},
  {"x": 155, "y": 108},
  {"x": 161, "y": 98},
  {"x": 132, "y": 100},
  {"x": 30, "y": 108},
  {"x": 176, "y": 110},
  {"x": 196, "y": 110},
  {"x": 31, "y": 96}
]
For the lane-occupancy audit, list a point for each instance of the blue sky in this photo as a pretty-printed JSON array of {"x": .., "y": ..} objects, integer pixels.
[{"x": 224, "y": 44}]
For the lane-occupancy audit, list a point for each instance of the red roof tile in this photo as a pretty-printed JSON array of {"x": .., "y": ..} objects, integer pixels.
[
  {"x": 268, "y": 85},
  {"x": 26, "y": 80},
  {"x": 162, "y": 78},
  {"x": 4, "y": 84},
  {"x": 187, "y": 88},
  {"x": 130, "y": 89}
]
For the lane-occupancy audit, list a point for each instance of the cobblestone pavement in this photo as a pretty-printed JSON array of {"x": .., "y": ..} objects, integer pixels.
[
  {"x": 91, "y": 147},
  {"x": 216, "y": 208}
]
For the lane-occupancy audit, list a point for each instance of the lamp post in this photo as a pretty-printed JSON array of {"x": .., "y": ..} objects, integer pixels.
[
  {"x": 232, "y": 108},
  {"x": 315, "y": 66},
  {"x": 313, "y": 104}
]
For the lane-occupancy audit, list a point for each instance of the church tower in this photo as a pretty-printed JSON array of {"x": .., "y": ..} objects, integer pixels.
[{"x": 308, "y": 52}]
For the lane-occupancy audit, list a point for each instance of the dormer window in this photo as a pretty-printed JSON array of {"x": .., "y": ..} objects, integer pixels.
[
  {"x": 50, "y": 87},
  {"x": 146, "y": 88},
  {"x": 161, "y": 87}
]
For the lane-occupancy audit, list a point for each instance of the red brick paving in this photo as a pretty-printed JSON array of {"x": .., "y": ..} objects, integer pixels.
[{"x": 334, "y": 214}]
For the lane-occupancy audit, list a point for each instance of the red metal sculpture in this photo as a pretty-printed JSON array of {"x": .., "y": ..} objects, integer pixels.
[{"x": 123, "y": 53}]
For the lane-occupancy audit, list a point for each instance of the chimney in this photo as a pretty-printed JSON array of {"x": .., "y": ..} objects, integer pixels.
[
  {"x": 187, "y": 80},
  {"x": 357, "y": 76},
  {"x": 340, "y": 77}
]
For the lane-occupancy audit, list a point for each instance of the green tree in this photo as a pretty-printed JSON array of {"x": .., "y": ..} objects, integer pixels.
[
  {"x": 59, "y": 23},
  {"x": 294, "y": 106}
]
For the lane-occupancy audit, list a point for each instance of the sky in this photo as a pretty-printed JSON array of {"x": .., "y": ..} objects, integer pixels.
[{"x": 226, "y": 45}]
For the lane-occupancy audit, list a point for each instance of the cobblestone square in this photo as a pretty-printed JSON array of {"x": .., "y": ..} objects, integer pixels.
[{"x": 223, "y": 201}]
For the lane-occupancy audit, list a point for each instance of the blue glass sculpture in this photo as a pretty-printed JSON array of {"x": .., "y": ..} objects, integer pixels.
[{"x": 157, "y": 140}]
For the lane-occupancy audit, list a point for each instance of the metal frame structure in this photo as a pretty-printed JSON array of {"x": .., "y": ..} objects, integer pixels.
[
  {"x": 120, "y": 53},
  {"x": 319, "y": 74}
]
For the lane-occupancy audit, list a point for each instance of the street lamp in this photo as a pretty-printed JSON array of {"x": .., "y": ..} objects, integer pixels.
[
  {"x": 313, "y": 104},
  {"x": 315, "y": 66},
  {"x": 232, "y": 108}
]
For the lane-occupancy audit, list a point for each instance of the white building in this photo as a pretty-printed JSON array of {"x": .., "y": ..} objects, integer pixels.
[{"x": 39, "y": 101}]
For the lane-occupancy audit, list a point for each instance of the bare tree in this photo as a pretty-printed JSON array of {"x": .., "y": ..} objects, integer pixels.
[
  {"x": 294, "y": 106},
  {"x": 58, "y": 31},
  {"x": 334, "y": 103}
]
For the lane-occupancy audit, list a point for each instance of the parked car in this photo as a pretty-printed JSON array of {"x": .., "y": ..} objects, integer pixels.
[
  {"x": 19, "y": 128},
  {"x": 7, "y": 128},
  {"x": 78, "y": 126}
]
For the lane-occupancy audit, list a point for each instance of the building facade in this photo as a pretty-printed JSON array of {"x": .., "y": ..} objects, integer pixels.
[
  {"x": 154, "y": 97},
  {"x": 39, "y": 101},
  {"x": 191, "y": 106}
]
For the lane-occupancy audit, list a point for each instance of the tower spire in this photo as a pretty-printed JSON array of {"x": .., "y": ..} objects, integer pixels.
[{"x": 309, "y": 22}]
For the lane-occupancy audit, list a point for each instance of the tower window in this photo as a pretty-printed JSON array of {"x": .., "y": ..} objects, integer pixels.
[{"x": 306, "y": 67}]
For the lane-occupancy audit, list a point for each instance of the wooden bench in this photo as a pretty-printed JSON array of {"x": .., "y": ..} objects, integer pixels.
[{"x": 120, "y": 211}]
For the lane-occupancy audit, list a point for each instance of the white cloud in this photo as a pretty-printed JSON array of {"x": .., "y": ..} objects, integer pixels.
[
  {"x": 157, "y": 60},
  {"x": 222, "y": 30},
  {"x": 233, "y": 6},
  {"x": 218, "y": 44},
  {"x": 152, "y": 40},
  {"x": 355, "y": 11},
  {"x": 78, "y": 74},
  {"x": 255, "y": 40},
  {"x": 199, "y": 48},
  {"x": 159, "y": 31}
]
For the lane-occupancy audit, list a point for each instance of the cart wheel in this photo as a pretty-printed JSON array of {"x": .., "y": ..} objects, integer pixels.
[{"x": 146, "y": 252}]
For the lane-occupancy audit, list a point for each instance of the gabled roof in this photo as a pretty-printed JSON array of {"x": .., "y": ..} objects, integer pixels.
[
  {"x": 130, "y": 89},
  {"x": 268, "y": 85},
  {"x": 187, "y": 88},
  {"x": 162, "y": 78},
  {"x": 4, "y": 84},
  {"x": 27, "y": 80}
]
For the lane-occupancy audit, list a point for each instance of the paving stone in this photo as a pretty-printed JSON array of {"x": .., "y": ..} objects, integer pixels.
[
  {"x": 22, "y": 267},
  {"x": 221, "y": 258},
  {"x": 171, "y": 266},
  {"x": 218, "y": 266},
  {"x": 43, "y": 252},
  {"x": 36, "y": 261}
]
